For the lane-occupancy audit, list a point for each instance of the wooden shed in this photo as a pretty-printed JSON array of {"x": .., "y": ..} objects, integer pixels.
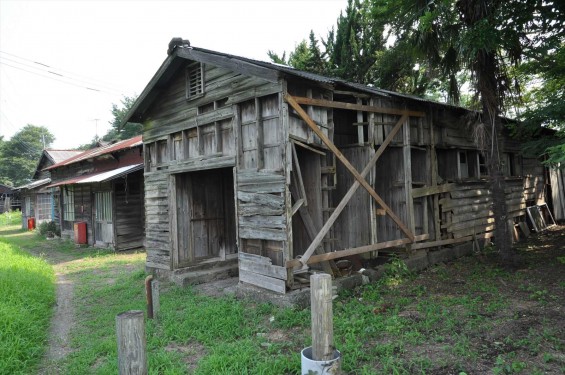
[
  {"x": 38, "y": 201},
  {"x": 101, "y": 190},
  {"x": 9, "y": 199},
  {"x": 275, "y": 170}
]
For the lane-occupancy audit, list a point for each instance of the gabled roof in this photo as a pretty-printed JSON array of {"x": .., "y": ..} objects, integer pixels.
[
  {"x": 59, "y": 155},
  {"x": 269, "y": 71},
  {"x": 52, "y": 156},
  {"x": 34, "y": 184},
  {"x": 5, "y": 189},
  {"x": 100, "y": 177},
  {"x": 100, "y": 151}
]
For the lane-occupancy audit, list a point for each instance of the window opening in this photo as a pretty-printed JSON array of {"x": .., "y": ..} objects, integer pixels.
[
  {"x": 68, "y": 203},
  {"x": 194, "y": 81}
]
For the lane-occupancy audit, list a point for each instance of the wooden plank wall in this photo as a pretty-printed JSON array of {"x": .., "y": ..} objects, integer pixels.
[
  {"x": 261, "y": 193},
  {"x": 354, "y": 226},
  {"x": 172, "y": 113},
  {"x": 129, "y": 218},
  {"x": 183, "y": 136},
  {"x": 466, "y": 207},
  {"x": 534, "y": 181}
]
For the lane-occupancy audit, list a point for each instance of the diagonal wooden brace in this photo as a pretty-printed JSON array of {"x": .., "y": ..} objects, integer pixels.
[{"x": 359, "y": 179}]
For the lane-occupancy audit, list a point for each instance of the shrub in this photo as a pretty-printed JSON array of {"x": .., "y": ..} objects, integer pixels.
[{"x": 48, "y": 226}]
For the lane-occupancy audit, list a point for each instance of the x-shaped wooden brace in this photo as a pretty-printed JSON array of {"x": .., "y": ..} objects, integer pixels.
[{"x": 359, "y": 180}]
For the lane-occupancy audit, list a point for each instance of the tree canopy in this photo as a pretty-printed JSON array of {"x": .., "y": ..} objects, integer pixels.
[
  {"x": 21, "y": 154},
  {"x": 425, "y": 47},
  {"x": 117, "y": 133}
]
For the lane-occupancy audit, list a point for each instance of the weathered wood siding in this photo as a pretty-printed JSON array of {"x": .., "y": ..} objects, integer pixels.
[
  {"x": 354, "y": 226},
  {"x": 225, "y": 127},
  {"x": 129, "y": 218},
  {"x": 466, "y": 209},
  {"x": 261, "y": 192},
  {"x": 157, "y": 228}
]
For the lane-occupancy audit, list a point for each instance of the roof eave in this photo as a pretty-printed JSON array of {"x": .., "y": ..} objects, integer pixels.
[{"x": 175, "y": 60}]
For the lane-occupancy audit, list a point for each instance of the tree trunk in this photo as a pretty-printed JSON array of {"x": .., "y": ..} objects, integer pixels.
[
  {"x": 502, "y": 237},
  {"x": 486, "y": 79}
]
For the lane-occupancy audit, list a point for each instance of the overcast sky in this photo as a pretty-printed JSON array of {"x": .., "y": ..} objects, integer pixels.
[{"x": 63, "y": 63}]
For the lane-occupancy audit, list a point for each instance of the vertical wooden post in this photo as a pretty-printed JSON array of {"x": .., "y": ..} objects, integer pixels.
[
  {"x": 149, "y": 296},
  {"x": 360, "y": 132},
  {"x": 407, "y": 159},
  {"x": 130, "y": 332},
  {"x": 322, "y": 317},
  {"x": 434, "y": 169},
  {"x": 155, "y": 294}
]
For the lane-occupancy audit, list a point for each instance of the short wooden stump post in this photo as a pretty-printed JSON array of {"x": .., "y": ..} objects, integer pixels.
[
  {"x": 155, "y": 297},
  {"x": 130, "y": 332},
  {"x": 321, "y": 358},
  {"x": 322, "y": 317}
]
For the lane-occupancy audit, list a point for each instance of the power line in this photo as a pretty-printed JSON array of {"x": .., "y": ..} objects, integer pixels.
[
  {"x": 49, "y": 70},
  {"x": 99, "y": 82},
  {"x": 60, "y": 80}
]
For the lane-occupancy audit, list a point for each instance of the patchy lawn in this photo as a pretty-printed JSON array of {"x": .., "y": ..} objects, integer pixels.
[{"x": 470, "y": 316}]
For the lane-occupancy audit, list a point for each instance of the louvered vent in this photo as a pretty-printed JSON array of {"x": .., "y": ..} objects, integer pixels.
[{"x": 194, "y": 81}]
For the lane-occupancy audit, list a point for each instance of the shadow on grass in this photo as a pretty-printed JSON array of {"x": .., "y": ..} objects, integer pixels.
[{"x": 11, "y": 232}]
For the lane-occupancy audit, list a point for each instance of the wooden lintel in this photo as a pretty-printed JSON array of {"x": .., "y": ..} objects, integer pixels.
[
  {"x": 354, "y": 251},
  {"x": 307, "y": 147},
  {"x": 356, "y": 107}
]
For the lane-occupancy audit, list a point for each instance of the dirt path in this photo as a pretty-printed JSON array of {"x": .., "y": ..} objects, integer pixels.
[{"x": 63, "y": 318}]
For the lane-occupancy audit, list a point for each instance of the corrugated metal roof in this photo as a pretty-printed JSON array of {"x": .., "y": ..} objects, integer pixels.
[
  {"x": 328, "y": 80},
  {"x": 110, "y": 175},
  {"x": 34, "y": 184},
  {"x": 99, "y": 177},
  {"x": 99, "y": 151},
  {"x": 61, "y": 155},
  {"x": 171, "y": 63}
]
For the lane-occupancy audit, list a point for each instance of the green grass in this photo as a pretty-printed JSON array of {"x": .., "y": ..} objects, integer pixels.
[
  {"x": 445, "y": 320},
  {"x": 10, "y": 218},
  {"x": 27, "y": 293}
]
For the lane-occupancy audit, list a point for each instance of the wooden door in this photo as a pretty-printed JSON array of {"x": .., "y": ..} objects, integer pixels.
[
  {"x": 103, "y": 220},
  {"x": 205, "y": 217}
]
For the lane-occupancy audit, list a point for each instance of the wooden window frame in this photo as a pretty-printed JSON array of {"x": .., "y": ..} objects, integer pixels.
[
  {"x": 195, "y": 81},
  {"x": 44, "y": 202},
  {"x": 68, "y": 203}
]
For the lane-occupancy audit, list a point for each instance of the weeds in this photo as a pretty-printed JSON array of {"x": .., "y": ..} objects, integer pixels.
[
  {"x": 453, "y": 318},
  {"x": 11, "y": 218},
  {"x": 28, "y": 293}
]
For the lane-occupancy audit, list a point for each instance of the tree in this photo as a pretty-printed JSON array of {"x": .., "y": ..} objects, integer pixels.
[
  {"x": 487, "y": 38},
  {"x": 436, "y": 43},
  {"x": 306, "y": 56},
  {"x": 117, "y": 133},
  {"x": 352, "y": 49},
  {"x": 544, "y": 103},
  {"x": 21, "y": 154},
  {"x": 356, "y": 50},
  {"x": 349, "y": 50}
]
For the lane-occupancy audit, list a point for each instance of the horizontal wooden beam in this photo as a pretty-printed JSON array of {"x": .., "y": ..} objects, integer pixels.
[
  {"x": 354, "y": 251},
  {"x": 356, "y": 107},
  {"x": 431, "y": 190},
  {"x": 450, "y": 241},
  {"x": 358, "y": 177}
]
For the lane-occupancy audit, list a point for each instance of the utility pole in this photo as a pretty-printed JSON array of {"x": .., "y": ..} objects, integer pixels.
[{"x": 96, "y": 122}]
